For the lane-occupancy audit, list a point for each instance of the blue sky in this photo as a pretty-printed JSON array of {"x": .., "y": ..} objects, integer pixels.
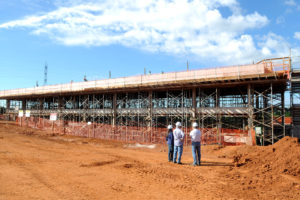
[{"x": 93, "y": 37}]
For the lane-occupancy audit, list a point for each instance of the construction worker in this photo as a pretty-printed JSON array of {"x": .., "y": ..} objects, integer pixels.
[
  {"x": 178, "y": 142},
  {"x": 170, "y": 142},
  {"x": 196, "y": 140}
]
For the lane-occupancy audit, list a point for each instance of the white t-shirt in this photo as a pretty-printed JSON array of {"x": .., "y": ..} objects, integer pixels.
[
  {"x": 195, "y": 135},
  {"x": 178, "y": 137}
]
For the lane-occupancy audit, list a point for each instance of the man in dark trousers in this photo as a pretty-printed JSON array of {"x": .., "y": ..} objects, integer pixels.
[{"x": 170, "y": 142}]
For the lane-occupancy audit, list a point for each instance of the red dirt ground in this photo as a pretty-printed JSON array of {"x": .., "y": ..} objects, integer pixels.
[{"x": 37, "y": 165}]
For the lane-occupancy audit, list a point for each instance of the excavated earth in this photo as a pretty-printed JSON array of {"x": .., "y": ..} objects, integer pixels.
[{"x": 40, "y": 165}]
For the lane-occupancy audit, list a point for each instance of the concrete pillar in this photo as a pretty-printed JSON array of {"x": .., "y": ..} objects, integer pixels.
[
  {"x": 60, "y": 108},
  {"x": 283, "y": 113},
  {"x": 60, "y": 103},
  {"x": 150, "y": 109},
  {"x": 194, "y": 105},
  {"x": 264, "y": 129},
  {"x": 219, "y": 117},
  {"x": 272, "y": 113},
  {"x": 24, "y": 104},
  {"x": 114, "y": 107},
  {"x": 41, "y": 106},
  {"x": 250, "y": 113},
  {"x": 7, "y": 104}
]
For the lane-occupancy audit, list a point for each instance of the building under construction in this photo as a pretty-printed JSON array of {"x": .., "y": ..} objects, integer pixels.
[{"x": 231, "y": 104}]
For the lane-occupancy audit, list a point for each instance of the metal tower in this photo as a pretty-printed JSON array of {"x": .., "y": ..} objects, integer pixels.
[{"x": 45, "y": 74}]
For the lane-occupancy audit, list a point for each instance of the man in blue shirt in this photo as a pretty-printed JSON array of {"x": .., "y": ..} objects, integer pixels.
[{"x": 170, "y": 142}]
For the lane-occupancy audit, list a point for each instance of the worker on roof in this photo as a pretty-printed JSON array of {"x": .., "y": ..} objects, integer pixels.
[
  {"x": 196, "y": 140},
  {"x": 178, "y": 142},
  {"x": 170, "y": 142}
]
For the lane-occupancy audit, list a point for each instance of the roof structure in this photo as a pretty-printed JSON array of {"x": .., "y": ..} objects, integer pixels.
[{"x": 269, "y": 68}]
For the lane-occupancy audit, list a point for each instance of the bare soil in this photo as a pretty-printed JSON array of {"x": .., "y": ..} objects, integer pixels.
[{"x": 38, "y": 165}]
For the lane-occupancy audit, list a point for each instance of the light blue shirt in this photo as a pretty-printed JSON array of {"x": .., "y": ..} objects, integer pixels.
[
  {"x": 178, "y": 137},
  {"x": 195, "y": 135}
]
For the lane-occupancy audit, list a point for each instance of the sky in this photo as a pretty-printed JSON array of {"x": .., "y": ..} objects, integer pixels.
[{"x": 91, "y": 38}]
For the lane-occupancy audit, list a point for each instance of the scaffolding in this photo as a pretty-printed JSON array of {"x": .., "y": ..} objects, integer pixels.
[{"x": 227, "y": 102}]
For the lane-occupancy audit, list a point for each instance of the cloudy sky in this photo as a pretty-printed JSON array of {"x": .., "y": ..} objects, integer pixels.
[{"x": 92, "y": 37}]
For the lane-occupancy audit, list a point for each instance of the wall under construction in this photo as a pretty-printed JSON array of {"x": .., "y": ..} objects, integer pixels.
[{"x": 227, "y": 102}]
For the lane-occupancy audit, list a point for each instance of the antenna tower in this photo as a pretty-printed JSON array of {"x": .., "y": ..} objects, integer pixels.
[{"x": 45, "y": 74}]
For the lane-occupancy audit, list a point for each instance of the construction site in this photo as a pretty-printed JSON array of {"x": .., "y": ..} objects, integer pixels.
[
  {"x": 227, "y": 102},
  {"x": 110, "y": 135}
]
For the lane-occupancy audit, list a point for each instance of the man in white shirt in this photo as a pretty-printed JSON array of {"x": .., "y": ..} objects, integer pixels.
[
  {"x": 178, "y": 142},
  {"x": 196, "y": 144}
]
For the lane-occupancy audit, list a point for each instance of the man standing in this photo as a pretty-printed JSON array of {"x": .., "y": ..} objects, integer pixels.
[
  {"x": 196, "y": 140},
  {"x": 170, "y": 142},
  {"x": 178, "y": 142}
]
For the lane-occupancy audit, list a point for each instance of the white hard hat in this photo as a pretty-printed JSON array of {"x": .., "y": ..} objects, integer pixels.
[
  {"x": 178, "y": 124},
  {"x": 195, "y": 124},
  {"x": 170, "y": 126}
]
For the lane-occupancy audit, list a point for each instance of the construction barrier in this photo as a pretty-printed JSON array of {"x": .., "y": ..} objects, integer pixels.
[{"x": 132, "y": 133}]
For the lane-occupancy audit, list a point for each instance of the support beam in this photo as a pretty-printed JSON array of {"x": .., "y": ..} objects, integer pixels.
[
  {"x": 250, "y": 115},
  {"x": 24, "y": 104},
  {"x": 194, "y": 105},
  {"x": 283, "y": 113},
  {"x": 114, "y": 107},
  {"x": 265, "y": 129},
  {"x": 272, "y": 114},
  {"x": 219, "y": 116},
  {"x": 7, "y": 104},
  {"x": 150, "y": 109}
]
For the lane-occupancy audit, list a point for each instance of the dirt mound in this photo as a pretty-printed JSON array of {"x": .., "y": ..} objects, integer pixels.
[{"x": 282, "y": 157}]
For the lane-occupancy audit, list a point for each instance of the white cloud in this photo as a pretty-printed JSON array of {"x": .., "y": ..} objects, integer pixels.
[
  {"x": 290, "y": 2},
  {"x": 297, "y": 35},
  {"x": 293, "y": 4},
  {"x": 273, "y": 44},
  {"x": 178, "y": 27}
]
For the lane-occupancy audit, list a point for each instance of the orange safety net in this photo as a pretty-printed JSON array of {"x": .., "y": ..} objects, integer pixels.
[{"x": 132, "y": 133}]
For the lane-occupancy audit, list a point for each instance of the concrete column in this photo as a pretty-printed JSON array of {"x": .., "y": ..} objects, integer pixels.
[
  {"x": 150, "y": 109},
  {"x": 194, "y": 105},
  {"x": 60, "y": 107},
  {"x": 219, "y": 117},
  {"x": 41, "y": 106},
  {"x": 24, "y": 104},
  {"x": 264, "y": 129},
  {"x": 272, "y": 113},
  {"x": 114, "y": 110},
  {"x": 217, "y": 97},
  {"x": 250, "y": 113},
  {"x": 60, "y": 103},
  {"x": 283, "y": 113},
  {"x": 7, "y": 104}
]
